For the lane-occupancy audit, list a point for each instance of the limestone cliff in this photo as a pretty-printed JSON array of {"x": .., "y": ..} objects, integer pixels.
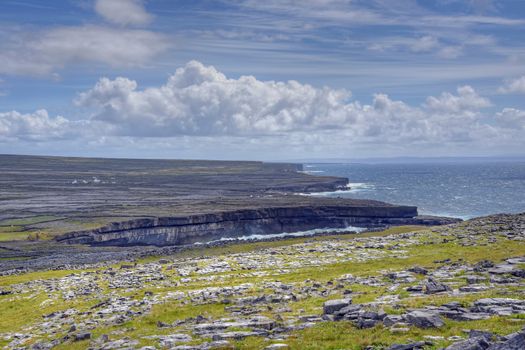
[{"x": 204, "y": 227}]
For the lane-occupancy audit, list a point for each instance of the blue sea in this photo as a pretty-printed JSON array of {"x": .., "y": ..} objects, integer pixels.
[{"x": 446, "y": 189}]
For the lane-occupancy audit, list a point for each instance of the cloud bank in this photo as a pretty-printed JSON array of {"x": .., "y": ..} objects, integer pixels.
[{"x": 199, "y": 102}]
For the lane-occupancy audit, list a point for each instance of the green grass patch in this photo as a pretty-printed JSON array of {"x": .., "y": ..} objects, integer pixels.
[
  {"x": 343, "y": 335},
  {"x": 29, "y": 220}
]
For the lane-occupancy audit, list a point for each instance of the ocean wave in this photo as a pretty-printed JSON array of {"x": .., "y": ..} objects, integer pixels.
[
  {"x": 449, "y": 215},
  {"x": 352, "y": 187},
  {"x": 290, "y": 234}
]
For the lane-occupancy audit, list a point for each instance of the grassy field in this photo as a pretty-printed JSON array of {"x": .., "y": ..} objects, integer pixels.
[{"x": 429, "y": 250}]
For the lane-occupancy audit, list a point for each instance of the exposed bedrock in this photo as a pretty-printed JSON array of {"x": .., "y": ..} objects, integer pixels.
[{"x": 206, "y": 227}]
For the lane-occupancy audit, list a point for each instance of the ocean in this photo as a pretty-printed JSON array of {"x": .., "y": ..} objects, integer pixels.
[{"x": 443, "y": 189}]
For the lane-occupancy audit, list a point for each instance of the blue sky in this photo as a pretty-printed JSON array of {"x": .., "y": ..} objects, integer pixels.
[{"x": 268, "y": 79}]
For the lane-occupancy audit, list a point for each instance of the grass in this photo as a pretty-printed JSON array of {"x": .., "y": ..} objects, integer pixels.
[
  {"x": 29, "y": 220},
  {"x": 12, "y": 233},
  {"x": 338, "y": 335},
  {"x": 142, "y": 327},
  {"x": 23, "y": 311},
  {"x": 343, "y": 335}
]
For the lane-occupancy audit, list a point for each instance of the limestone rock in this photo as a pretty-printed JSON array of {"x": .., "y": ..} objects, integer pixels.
[
  {"x": 331, "y": 306},
  {"x": 424, "y": 319}
]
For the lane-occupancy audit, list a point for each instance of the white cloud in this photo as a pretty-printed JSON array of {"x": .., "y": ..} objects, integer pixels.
[
  {"x": 199, "y": 108},
  {"x": 466, "y": 99},
  {"x": 198, "y": 100},
  {"x": 34, "y": 126},
  {"x": 201, "y": 100},
  {"x": 43, "y": 52},
  {"x": 514, "y": 86},
  {"x": 511, "y": 118},
  {"x": 123, "y": 12}
]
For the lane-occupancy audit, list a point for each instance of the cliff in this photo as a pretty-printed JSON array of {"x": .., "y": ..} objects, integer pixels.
[{"x": 205, "y": 227}]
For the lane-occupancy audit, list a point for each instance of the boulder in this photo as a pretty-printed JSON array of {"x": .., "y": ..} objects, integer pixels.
[
  {"x": 331, "y": 306},
  {"x": 424, "y": 319},
  {"x": 419, "y": 270},
  {"x": 432, "y": 286},
  {"x": 483, "y": 265},
  {"x": 514, "y": 341},
  {"x": 82, "y": 336},
  {"x": 478, "y": 343},
  {"x": 391, "y": 320}
]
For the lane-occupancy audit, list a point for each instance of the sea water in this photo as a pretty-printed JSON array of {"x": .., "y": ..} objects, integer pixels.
[{"x": 447, "y": 189}]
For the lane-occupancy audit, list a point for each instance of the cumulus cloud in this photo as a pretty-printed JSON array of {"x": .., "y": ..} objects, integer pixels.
[
  {"x": 123, "y": 12},
  {"x": 198, "y": 104},
  {"x": 466, "y": 99},
  {"x": 199, "y": 100},
  {"x": 34, "y": 126},
  {"x": 514, "y": 86},
  {"x": 43, "y": 52}
]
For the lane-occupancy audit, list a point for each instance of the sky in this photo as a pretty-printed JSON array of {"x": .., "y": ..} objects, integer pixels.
[{"x": 262, "y": 80}]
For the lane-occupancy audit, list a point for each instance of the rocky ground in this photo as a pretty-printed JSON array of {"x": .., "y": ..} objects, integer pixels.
[{"x": 456, "y": 287}]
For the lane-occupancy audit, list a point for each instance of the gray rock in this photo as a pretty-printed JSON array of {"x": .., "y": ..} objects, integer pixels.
[
  {"x": 515, "y": 341},
  {"x": 169, "y": 341},
  {"x": 475, "y": 279},
  {"x": 499, "y": 306},
  {"x": 412, "y": 346},
  {"x": 391, "y": 320},
  {"x": 474, "y": 333},
  {"x": 363, "y": 323},
  {"x": 424, "y": 319},
  {"x": 416, "y": 289},
  {"x": 478, "y": 343},
  {"x": 419, "y": 270},
  {"x": 469, "y": 316},
  {"x": 237, "y": 335},
  {"x": 473, "y": 288},
  {"x": 331, "y": 306},
  {"x": 276, "y": 346},
  {"x": 432, "y": 286},
  {"x": 518, "y": 273},
  {"x": 483, "y": 265},
  {"x": 82, "y": 336}
]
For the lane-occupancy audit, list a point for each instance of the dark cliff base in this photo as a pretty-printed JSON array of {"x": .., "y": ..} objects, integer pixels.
[{"x": 173, "y": 202}]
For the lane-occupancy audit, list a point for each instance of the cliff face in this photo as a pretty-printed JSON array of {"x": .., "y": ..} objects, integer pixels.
[{"x": 201, "y": 228}]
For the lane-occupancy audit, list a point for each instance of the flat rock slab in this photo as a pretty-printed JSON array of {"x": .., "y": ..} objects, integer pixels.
[
  {"x": 331, "y": 306},
  {"x": 424, "y": 319}
]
